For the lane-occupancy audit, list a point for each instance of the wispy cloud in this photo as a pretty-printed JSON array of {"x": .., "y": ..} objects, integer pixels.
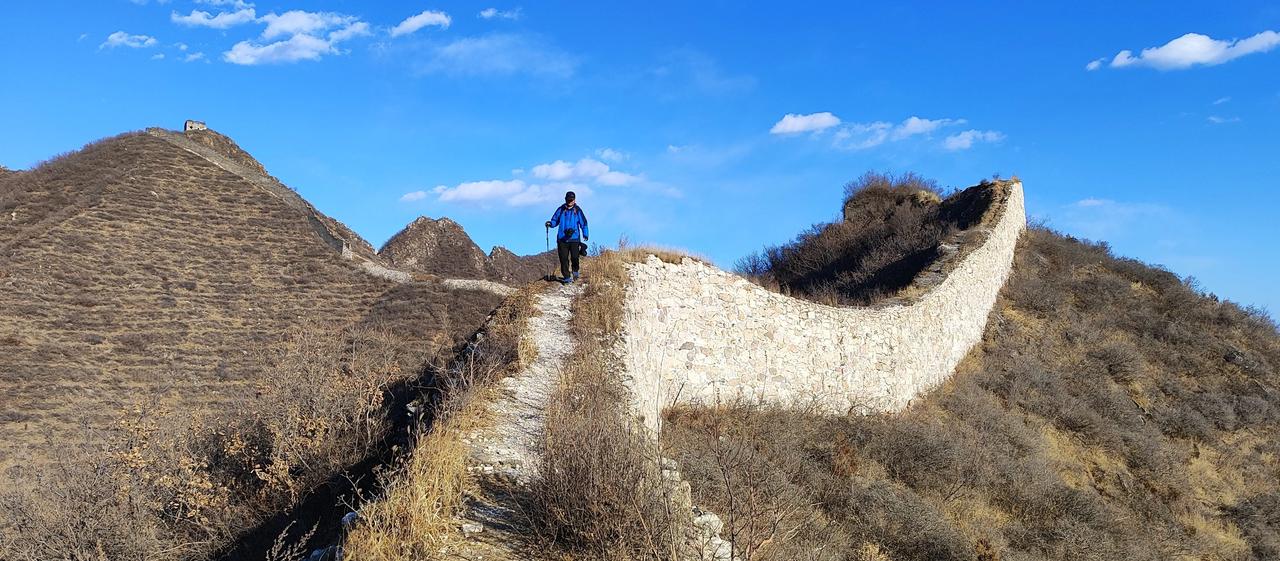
[
  {"x": 965, "y": 140},
  {"x": 1193, "y": 49},
  {"x": 424, "y": 19},
  {"x": 1101, "y": 218},
  {"x": 223, "y": 20},
  {"x": 193, "y": 57},
  {"x": 689, "y": 71},
  {"x": 491, "y": 13},
  {"x": 1221, "y": 100},
  {"x": 234, "y": 4},
  {"x": 1217, "y": 120},
  {"x": 861, "y": 136},
  {"x": 413, "y": 196},
  {"x": 793, "y": 123},
  {"x": 122, "y": 39},
  {"x": 611, "y": 155},
  {"x": 501, "y": 55}
]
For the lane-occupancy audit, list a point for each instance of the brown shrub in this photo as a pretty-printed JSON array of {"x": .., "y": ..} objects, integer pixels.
[{"x": 891, "y": 230}]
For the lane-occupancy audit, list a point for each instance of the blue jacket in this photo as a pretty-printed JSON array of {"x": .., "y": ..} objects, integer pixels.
[{"x": 572, "y": 224}]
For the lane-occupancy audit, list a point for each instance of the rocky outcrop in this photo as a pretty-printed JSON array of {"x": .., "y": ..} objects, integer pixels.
[
  {"x": 441, "y": 247},
  {"x": 694, "y": 333}
]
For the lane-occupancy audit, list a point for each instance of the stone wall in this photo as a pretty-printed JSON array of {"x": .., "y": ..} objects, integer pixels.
[{"x": 694, "y": 333}]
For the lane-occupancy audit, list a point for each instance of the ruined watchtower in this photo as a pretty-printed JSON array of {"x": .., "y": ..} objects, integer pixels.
[{"x": 194, "y": 126}]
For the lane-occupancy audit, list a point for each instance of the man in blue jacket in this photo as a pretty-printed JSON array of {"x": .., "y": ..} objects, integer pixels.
[{"x": 571, "y": 234}]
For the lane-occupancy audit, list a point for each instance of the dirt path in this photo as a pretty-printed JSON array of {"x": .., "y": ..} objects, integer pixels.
[{"x": 505, "y": 454}]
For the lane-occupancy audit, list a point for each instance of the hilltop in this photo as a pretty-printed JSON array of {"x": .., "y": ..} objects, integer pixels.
[{"x": 157, "y": 283}]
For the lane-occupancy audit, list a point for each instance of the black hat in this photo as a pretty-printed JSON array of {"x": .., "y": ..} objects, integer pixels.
[{"x": 569, "y": 196}]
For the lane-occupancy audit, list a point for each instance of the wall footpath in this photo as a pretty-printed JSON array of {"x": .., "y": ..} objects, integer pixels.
[{"x": 696, "y": 334}]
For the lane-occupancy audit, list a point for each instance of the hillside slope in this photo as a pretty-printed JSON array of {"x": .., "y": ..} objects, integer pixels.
[{"x": 135, "y": 267}]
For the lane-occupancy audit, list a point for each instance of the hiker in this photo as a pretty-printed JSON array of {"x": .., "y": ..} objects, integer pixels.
[{"x": 570, "y": 237}]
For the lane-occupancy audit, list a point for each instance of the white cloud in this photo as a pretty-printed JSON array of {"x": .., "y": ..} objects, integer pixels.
[
  {"x": 157, "y": 56},
  {"x": 1221, "y": 100},
  {"x": 491, "y": 13},
  {"x": 585, "y": 169},
  {"x": 413, "y": 196},
  {"x": 181, "y": 46},
  {"x": 542, "y": 183},
  {"x": 312, "y": 35},
  {"x": 354, "y": 30},
  {"x": 1195, "y": 49},
  {"x": 122, "y": 39},
  {"x": 224, "y": 20},
  {"x": 296, "y": 48},
  {"x": 1095, "y": 64},
  {"x": 611, "y": 155},
  {"x": 793, "y": 123},
  {"x": 295, "y": 22},
  {"x": 193, "y": 57},
  {"x": 965, "y": 140},
  {"x": 515, "y": 192},
  {"x": 501, "y": 54},
  {"x": 1223, "y": 120},
  {"x": 424, "y": 19}
]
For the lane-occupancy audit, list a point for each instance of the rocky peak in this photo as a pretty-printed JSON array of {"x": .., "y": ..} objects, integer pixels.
[{"x": 436, "y": 246}]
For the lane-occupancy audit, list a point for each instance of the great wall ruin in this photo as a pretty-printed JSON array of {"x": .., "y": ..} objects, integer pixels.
[{"x": 696, "y": 334}]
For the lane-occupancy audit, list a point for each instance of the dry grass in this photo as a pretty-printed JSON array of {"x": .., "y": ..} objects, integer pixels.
[
  {"x": 415, "y": 517},
  {"x": 1112, "y": 411},
  {"x": 162, "y": 484}
]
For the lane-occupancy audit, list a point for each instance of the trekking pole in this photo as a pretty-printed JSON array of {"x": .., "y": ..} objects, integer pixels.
[{"x": 553, "y": 266}]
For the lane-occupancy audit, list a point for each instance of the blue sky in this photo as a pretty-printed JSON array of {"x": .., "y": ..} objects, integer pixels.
[{"x": 712, "y": 126}]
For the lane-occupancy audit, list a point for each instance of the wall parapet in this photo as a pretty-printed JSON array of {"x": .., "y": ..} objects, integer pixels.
[{"x": 696, "y": 334}]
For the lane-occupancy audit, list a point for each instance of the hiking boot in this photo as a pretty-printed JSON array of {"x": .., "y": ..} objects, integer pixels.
[
  {"x": 566, "y": 280},
  {"x": 575, "y": 276}
]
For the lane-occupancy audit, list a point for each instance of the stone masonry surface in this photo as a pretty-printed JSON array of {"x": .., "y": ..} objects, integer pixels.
[{"x": 696, "y": 334}]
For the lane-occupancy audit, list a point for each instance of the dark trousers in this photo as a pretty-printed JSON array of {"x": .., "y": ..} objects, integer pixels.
[{"x": 569, "y": 252}]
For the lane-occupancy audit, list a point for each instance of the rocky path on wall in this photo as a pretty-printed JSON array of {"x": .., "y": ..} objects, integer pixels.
[{"x": 505, "y": 453}]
